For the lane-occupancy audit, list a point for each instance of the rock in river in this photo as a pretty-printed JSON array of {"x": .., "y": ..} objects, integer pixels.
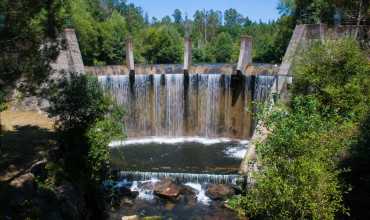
[
  {"x": 167, "y": 189},
  {"x": 219, "y": 191}
]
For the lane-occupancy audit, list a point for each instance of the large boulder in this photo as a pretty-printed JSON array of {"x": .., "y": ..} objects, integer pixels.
[
  {"x": 25, "y": 182},
  {"x": 219, "y": 191},
  {"x": 167, "y": 189}
]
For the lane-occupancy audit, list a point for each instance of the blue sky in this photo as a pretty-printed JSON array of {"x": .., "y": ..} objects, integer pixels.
[{"x": 254, "y": 9}]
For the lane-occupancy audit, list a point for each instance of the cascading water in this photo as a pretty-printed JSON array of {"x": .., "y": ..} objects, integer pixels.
[
  {"x": 182, "y": 177},
  {"x": 171, "y": 105},
  {"x": 190, "y": 128},
  {"x": 263, "y": 87}
]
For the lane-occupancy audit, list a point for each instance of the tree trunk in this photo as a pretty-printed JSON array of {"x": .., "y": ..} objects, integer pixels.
[{"x": 359, "y": 18}]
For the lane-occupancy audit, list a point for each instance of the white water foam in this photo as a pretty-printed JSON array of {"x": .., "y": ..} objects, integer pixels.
[
  {"x": 201, "y": 193},
  {"x": 145, "y": 193},
  {"x": 177, "y": 140},
  {"x": 236, "y": 152}
]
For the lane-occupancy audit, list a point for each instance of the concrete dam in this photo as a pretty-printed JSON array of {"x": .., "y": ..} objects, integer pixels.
[{"x": 192, "y": 123}]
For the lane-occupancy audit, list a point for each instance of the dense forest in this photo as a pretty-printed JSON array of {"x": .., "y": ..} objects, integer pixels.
[{"x": 103, "y": 26}]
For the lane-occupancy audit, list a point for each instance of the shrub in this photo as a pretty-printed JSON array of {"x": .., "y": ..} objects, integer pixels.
[
  {"x": 2, "y": 101},
  {"x": 87, "y": 120},
  {"x": 337, "y": 73},
  {"x": 299, "y": 177}
]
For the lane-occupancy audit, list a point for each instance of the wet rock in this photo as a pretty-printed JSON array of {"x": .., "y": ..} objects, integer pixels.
[
  {"x": 169, "y": 206},
  {"x": 188, "y": 191},
  {"x": 132, "y": 217},
  {"x": 127, "y": 201},
  {"x": 39, "y": 169},
  {"x": 25, "y": 182},
  {"x": 72, "y": 203},
  {"x": 124, "y": 191},
  {"x": 189, "y": 196},
  {"x": 167, "y": 189},
  {"x": 237, "y": 189},
  {"x": 148, "y": 185},
  {"x": 219, "y": 191}
]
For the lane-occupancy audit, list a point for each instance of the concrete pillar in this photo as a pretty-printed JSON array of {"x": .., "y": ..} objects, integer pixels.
[
  {"x": 323, "y": 29},
  {"x": 187, "y": 54},
  {"x": 130, "y": 56},
  {"x": 69, "y": 59},
  {"x": 245, "y": 55}
]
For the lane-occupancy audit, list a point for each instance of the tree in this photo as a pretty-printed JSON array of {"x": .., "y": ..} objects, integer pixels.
[
  {"x": 213, "y": 23},
  {"x": 112, "y": 34},
  {"x": 166, "y": 20},
  {"x": 163, "y": 45},
  {"x": 199, "y": 21},
  {"x": 177, "y": 16},
  {"x": 223, "y": 48},
  {"x": 87, "y": 30},
  {"x": 233, "y": 18},
  {"x": 350, "y": 12},
  {"x": 315, "y": 11},
  {"x": 337, "y": 73},
  {"x": 299, "y": 178},
  {"x": 88, "y": 120},
  {"x": 28, "y": 34}
]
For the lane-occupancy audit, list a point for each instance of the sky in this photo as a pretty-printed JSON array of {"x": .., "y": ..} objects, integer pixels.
[{"x": 256, "y": 10}]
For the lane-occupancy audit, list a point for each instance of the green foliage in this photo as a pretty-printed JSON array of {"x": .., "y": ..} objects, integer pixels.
[
  {"x": 298, "y": 178},
  {"x": 112, "y": 35},
  {"x": 103, "y": 27},
  {"x": 222, "y": 48},
  {"x": 165, "y": 45},
  {"x": 2, "y": 101},
  {"x": 33, "y": 27},
  {"x": 326, "y": 11},
  {"x": 270, "y": 40},
  {"x": 337, "y": 73},
  {"x": 100, "y": 36},
  {"x": 87, "y": 121},
  {"x": 177, "y": 16},
  {"x": 78, "y": 101},
  {"x": 302, "y": 158},
  {"x": 100, "y": 135}
]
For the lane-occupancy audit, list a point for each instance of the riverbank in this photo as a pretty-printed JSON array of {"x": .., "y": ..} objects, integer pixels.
[{"x": 27, "y": 175}]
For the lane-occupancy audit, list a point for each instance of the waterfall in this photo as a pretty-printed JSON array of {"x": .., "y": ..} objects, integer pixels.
[
  {"x": 173, "y": 105},
  {"x": 264, "y": 84},
  {"x": 181, "y": 177}
]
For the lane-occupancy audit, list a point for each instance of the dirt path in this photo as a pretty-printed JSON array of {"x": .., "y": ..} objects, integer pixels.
[{"x": 25, "y": 138}]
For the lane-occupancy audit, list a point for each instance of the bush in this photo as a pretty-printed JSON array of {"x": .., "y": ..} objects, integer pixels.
[
  {"x": 162, "y": 45},
  {"x": 87, "y": 120},
  {"x": 222, "y": 48},
  {"x": 2, "y": 101},
  {"x": 302, "y": 159},
  {"x": 337, "y": 73},
  {"x": 299, "y": 177}
]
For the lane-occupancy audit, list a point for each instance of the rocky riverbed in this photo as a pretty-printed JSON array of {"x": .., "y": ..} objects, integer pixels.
[{"x": 168, "y": 199}]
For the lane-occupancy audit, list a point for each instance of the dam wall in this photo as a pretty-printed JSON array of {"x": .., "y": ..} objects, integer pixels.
[{"x": 147, "y": 69}]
